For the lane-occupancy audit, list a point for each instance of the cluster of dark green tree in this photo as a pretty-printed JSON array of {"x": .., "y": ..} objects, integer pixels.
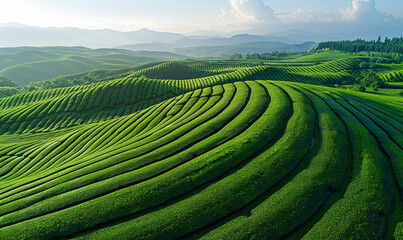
[
  {"x": 389, "y": 45},
  {"x": 7, "y": 87},
  {"x": 5, "y": 82},
  {"x": 372, "y": 81},
  {"x": 8, "y": 91}
]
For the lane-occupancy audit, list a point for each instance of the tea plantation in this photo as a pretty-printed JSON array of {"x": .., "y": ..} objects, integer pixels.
[{"x": 205, "y": 150}]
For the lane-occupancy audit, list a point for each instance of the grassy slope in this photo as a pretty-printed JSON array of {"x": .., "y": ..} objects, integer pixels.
[
  {"x": 196, "y": 158},
  {"x": 27, "y": 64}
]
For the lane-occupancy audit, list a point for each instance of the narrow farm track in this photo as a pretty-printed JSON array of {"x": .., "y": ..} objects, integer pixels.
[{"x": 215, "y": 152}]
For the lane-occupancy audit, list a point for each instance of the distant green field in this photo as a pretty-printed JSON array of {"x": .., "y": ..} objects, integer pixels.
[
  {"x": 210, "y": 149},
  {"x": 28, "y": 64}
]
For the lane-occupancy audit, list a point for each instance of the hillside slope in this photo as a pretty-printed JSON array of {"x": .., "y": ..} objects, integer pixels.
[
  {"x": 29, "y": 64},
  {"x": 234, "y": 155}
]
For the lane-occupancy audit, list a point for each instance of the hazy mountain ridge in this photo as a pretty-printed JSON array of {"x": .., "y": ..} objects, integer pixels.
[
  {"x": 14, "y": 34},
  {"x": 25, "y": 64},
  {"x": 21, "y": 35},
  {"x": 224, "y": 47}
]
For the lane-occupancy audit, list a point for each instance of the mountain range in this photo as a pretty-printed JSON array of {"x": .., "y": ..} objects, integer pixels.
[
  {"x": 14, "y": 34},
  {"x": 109, "y": 49}
]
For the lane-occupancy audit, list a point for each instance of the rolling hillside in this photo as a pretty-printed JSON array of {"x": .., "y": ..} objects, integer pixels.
[
  {"x": 224, "y": 51},
  {"x": 204, "y": 150},
  {"x": 222, "y": 48},
  {"x": 29, "y": 64}
]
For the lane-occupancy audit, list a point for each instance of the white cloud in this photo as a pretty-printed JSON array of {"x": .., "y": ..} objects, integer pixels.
[
  {"x": 247, "y": 12},
  {"x": 255, "y": 17},
  {"x": 364, "y": 10}
]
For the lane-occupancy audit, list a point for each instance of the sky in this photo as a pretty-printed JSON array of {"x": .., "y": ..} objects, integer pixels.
[{"x": 186, "y": 16}]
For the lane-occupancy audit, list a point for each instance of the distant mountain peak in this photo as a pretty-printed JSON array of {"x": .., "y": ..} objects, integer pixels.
[
  {"x": 145, "y": 30},
  {"x": 243, "y": 35}
]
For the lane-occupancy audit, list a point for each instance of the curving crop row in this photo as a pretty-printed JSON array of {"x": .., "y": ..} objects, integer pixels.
[{"x": 217, "y": 157}]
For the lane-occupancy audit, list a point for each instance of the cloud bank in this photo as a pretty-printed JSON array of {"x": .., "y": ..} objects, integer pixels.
[
  {"x": 362, "y": 16},
  {"x": 364, "y": 11},
  {"x": 247, "y": 12}
]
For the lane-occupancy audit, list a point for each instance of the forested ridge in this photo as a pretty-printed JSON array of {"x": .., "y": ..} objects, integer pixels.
[{"x": 394, "y": 45}]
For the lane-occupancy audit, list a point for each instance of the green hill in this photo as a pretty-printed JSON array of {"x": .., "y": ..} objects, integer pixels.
[
  {"x": 204, "y": 150},
  {"x": 28, "y": 64},
  {"x": 226, "y": 50}
]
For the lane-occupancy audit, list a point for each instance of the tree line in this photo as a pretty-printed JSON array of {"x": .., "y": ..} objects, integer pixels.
[{"x": 394, "y": 45}]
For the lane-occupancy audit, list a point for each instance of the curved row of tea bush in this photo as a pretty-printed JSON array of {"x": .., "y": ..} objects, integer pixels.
[
  {"x": 244, "y": 160},
  {"x": 43, "y": 111},
  {"x": 251, "y": 153}
]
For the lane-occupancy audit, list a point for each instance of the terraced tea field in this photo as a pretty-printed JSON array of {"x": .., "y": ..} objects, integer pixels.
[{"x": 220, "y": 151}]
